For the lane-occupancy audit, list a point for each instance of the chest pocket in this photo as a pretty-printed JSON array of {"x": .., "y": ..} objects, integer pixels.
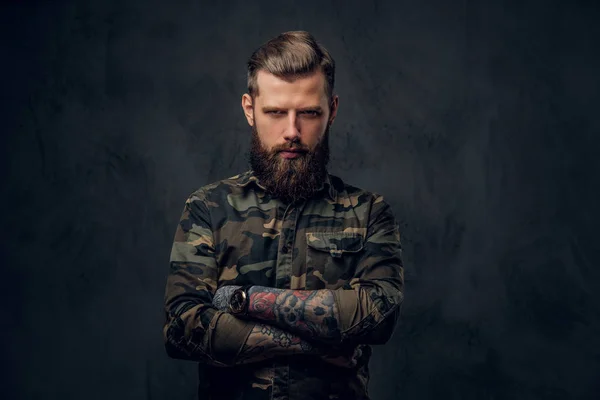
[{"x": 331, "y": 258}]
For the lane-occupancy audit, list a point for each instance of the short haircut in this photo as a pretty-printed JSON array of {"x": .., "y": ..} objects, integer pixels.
[{"x": 288, "y": 55}]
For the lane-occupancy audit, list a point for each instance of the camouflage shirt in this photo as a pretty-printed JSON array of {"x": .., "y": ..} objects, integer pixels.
[{"x": 233, "y": 232}]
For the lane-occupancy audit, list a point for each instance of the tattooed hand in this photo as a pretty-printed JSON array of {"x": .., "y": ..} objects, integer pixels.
[{"x": 222, "y": 296}]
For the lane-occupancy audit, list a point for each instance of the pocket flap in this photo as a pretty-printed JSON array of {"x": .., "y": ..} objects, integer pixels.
[{"x": 335, "y": 243}]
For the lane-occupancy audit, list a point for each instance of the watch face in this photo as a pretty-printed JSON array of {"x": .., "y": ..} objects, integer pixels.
[{"x": 237, "y": 301}]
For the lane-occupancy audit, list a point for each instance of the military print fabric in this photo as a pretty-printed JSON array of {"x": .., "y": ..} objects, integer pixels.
[{"x": 233, "y": 232}]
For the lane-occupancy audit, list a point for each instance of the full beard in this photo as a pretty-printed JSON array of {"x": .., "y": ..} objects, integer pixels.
[{"x": 290, "y": 180}]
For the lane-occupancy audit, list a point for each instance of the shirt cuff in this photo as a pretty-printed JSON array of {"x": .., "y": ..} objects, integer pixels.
[
  {"x": 349, "y": 311},
  {"x": 229, "y": 334}
]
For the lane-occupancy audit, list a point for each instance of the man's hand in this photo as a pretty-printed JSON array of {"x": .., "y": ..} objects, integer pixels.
[{"x": 222, "y": 296}]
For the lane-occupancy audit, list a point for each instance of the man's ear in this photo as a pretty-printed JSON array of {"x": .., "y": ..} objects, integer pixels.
[
  {"x": 333, "y": 109},
  {"x": 248, "y": 107}
]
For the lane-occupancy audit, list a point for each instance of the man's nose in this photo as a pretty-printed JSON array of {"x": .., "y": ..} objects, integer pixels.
[{"x": 292, "y": 130}]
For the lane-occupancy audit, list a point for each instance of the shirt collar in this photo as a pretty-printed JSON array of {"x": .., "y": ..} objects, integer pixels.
[{"x": 248, "y": 177}]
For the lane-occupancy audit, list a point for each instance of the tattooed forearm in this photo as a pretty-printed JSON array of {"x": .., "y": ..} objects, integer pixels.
[
  {"x": 307, "y": 313},
  {"x": 266, "y": 342}
]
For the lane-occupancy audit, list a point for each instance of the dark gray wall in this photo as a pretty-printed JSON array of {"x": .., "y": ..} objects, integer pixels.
[{"x": 478, "y": 122}]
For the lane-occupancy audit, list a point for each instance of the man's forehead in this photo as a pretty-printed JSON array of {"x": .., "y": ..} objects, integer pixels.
[{"x": 309, "y": 86}]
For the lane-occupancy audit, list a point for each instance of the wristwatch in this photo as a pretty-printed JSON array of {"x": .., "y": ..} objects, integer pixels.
[{"x": 238, "y": 302}]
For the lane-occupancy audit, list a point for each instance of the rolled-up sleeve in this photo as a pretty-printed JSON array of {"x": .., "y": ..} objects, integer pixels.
[
  {"x": 369, "y": 306},
  {"x": 191, "y": 321}
]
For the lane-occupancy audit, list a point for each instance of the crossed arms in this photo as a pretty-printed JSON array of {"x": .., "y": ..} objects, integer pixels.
[{"x": 324, "y": 323}]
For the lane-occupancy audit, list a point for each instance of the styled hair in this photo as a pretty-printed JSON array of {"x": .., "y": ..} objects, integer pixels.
[{"x": 288, "y": 55}]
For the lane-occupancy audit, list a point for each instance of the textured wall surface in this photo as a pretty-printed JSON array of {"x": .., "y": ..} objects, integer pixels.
[{"x": 478, "y": 122}]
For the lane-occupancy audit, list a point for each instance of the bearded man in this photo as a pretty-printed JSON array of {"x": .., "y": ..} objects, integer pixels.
[{"x": 282, "y": 277}]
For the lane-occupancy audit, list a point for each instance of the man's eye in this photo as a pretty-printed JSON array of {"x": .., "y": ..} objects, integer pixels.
[{"x": 311, "y": 113}]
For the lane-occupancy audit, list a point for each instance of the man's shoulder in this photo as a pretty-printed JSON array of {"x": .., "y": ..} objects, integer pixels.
[
  {"x": 356, "y": 194},
  {"x": 223, "y": 185}
]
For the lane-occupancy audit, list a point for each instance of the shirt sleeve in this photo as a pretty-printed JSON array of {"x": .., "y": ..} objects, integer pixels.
[
  {"x": 369, "y": 306},
  {"x": 192, "y": 324}
]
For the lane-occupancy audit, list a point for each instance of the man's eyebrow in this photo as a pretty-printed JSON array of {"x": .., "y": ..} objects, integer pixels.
[
  {"x": 310, "y": 108},
  {"x": 272, "y": 108},
  {"x": 313, "y": 108}
]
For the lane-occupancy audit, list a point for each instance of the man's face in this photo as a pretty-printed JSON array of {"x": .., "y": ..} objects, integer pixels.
[
  {"x": 290, "y": 122},
  {"x": 290, "y": 110}
]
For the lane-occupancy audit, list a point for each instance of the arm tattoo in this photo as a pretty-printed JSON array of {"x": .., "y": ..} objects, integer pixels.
[{"x": 308, "y": 313}]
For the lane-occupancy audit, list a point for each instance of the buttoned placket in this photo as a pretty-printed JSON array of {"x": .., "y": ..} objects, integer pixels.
[
  {"x": 283, "y": 273},
  {"x": 287, "y": 239}
]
